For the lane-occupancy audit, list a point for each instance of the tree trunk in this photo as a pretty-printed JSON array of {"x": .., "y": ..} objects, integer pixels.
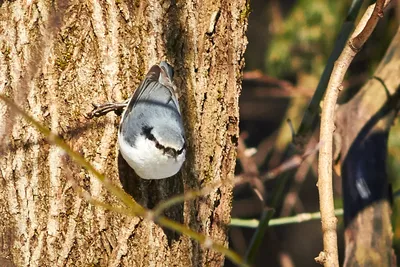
[
  {"x": 59, "y": 57},
  {"x": 363, "y": 124}
]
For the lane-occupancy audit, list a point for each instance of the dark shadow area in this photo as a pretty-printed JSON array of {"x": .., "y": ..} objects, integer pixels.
[
  {"x": 364, "y": 175},
  {"x": 365, "y": 180},
  {"x": 149, "y": 193}
]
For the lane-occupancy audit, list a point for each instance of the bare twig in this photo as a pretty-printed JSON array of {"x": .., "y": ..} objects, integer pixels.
[
  {"x": 250, "y": 170},
  {"x": 56, "y": 140},
  {"x": 265, "y": 149},
  {"x": 273, "y": 86},
  {"x": 248, "y": 164},
  {"x": 293, "y": 162},
  {"x": 291, "y": 198},
  {"x": 329, "y": 257},
  {"x": 131, "y": 208},
  {"x": 103, "y": 109},
  {"x": 358, "y": 41},
  {"x": 299, "y": 218},
  {"x": 189, "y": 195},
  {"x": 250, "y": 175}
]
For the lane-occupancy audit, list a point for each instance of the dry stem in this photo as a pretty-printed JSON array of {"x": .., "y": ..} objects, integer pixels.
[{"x": 329, "y": 257}]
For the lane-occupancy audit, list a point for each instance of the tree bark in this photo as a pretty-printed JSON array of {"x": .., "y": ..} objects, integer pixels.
[
  {"x": 363, "y": 125},
  {"x": 59, "y": 57}
]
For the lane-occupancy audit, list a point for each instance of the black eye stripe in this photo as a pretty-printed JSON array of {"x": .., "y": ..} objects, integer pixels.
[{"x": 166, "y": 150}]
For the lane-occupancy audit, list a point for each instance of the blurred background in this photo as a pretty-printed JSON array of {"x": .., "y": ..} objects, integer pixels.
[{"x": 289, "y": 44}]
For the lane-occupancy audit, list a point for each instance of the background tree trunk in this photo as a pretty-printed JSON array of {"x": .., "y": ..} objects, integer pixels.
[
  {"x": 59, "y": 57},
  {"x": 363, "y": 124}
]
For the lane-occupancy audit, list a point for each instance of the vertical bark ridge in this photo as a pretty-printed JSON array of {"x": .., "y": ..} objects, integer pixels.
[{"x": 59, "y": 57}]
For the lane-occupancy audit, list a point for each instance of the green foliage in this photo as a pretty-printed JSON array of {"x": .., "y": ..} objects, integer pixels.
[
  {"x": 306, "y": 38},
  {"x": 393, "y": 172},
  {"x": 394, "y": 155}
]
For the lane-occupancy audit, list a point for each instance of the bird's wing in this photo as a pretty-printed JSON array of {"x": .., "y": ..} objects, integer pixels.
[{"x": 151, "y": 83}]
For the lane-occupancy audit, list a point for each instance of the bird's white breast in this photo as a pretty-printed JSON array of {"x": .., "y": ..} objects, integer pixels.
[{"x": 148, "y": 161}]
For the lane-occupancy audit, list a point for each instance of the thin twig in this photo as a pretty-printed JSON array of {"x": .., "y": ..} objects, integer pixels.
[
  {"x": 312, "y": 112},
  {"x": 55, "y": 139},
  {"x": 293, "y": 162},
  {"x": 271, "y": 86},
  {"x": 329, "y": 257},
  {"x": 189, "y": 195},
  {"x": 248, "y": 164},
  {"x": 207, "y": 242},
  {"x": 132, "y": 208},
  {"x": 250, "y": 171},
  {"x": 103, "y": 109},
  {"x": 357, "y": 42},
  {"x": 299, "y": 218},
  {"x": 264, "y": 149},
  {"x": 291, "y": 198}
]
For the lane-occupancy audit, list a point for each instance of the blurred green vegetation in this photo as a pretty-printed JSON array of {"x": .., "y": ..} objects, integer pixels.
[
  {"x": 393, "y": 172},
  {"x": 394, "y": 155},
  {"x": 301, "y": 36},
  {"x": 305, "y": 39},
  {"x": 291, "y": 40}
]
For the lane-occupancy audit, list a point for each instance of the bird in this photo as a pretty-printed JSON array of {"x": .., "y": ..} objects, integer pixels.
[{"x": 151, "y": 135}]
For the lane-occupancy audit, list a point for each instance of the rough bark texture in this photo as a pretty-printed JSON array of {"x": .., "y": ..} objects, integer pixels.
[
  {"x": 58, "y": 57},
  {"x": 363, "y": 125}
]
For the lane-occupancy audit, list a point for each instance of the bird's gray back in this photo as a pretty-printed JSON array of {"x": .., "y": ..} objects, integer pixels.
[{"x": 154, "y": 107}]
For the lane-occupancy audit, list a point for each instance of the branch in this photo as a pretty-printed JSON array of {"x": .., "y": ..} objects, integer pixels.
[
  {"x": 103, "y": 109},
  {"x": 312, "y": 111},
  {"x": 357, "y": 42},
  {"x": 329, "y": 257},
  {"x": 189, "y": 195},
  {"x": 132, "y": 208},
  {"x": 292, "y": 197},
  {"x": 289, "y": 164},
  {"x": 56, "y": 140},
  {"x": 299, "y": 218},
  {"x": 250, "y": 170},
  {"x": 266, "y": 86}
]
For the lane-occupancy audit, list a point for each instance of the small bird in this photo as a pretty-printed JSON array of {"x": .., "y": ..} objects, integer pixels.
[{"x": 151, "y": 134}]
